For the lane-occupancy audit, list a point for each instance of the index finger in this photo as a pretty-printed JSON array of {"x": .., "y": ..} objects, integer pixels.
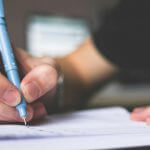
[{"x": 38, "y": 82}]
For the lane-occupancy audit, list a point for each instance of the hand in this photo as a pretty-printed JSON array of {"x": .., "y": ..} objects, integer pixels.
[
  {"x": 141, "y": 114},
  {"x": 39, "y": 78}
]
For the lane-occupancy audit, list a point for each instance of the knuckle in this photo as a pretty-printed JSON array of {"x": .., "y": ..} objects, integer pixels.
[
  {"x": 51, "y": 62},
  {"x": 48, "y": 60}
]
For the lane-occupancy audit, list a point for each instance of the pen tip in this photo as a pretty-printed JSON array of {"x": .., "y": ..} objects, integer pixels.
[{"x": 25, "y": 122}]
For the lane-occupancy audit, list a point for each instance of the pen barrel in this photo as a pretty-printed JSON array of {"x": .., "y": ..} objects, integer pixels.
[
  {"x": 9, "y": 63},
  {"x": 2, "y": 8},
  {"x": 7, "y": 55}
]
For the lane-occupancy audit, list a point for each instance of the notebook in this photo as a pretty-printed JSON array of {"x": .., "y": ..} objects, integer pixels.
[{"x": 105, "y": 128}]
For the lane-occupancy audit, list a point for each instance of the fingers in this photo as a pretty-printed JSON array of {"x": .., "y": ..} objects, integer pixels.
[
  {"x": 39, "y": 110},
  {"x": 41, "y": 77},
  {"x": 51, "y": 62},
  {"x": 10, "y": 114},
  {"x": 28, "y": 62},
  {"x": 38, "y": 82},
  {"x": 8, "y": 93},
  {"x": 139, "y": 109},
  {"x": 141, "y": 114}
]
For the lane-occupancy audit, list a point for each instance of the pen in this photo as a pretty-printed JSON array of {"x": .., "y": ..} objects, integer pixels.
[{"x": 9, "y": 62}]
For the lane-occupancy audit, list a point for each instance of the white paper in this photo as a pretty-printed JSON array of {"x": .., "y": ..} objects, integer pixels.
[{"x": 91, "y": 129}]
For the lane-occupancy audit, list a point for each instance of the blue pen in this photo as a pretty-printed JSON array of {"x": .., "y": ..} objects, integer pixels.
[{"x": 9, "y": 62}]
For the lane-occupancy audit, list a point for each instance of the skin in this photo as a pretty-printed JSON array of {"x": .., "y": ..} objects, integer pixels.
[
  {"x": 141, "y": 114},
  {"x": 83, "y": 69},
  {"x": 73, "y": 64},
  {"x": 33, "y": 87}
]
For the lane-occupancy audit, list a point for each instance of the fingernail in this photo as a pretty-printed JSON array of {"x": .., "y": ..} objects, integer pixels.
[
  {"x": 11, "y": 98},
  {"x": 31, "y": 91}
]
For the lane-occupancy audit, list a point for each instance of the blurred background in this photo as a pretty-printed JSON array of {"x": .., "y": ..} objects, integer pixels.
[{"x": 57, "y": 28}]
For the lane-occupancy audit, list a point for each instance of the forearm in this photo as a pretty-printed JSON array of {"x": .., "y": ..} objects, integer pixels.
[{"x": 83, "y": 69}]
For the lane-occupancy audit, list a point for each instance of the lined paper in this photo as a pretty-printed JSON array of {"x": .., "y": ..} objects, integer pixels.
[{"x": 91, "y": 129}]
